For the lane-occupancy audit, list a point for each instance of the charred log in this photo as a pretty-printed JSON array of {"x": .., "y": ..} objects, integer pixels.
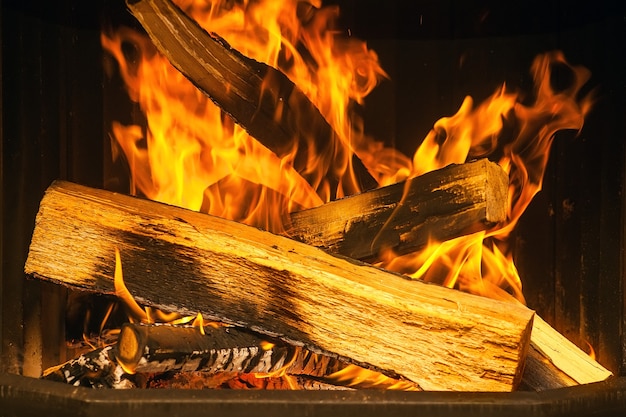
[
  {"x": 258, "y": 97},
  {"x": 233, "y": 353}
]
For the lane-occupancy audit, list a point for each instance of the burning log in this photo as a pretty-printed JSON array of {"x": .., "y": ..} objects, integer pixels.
[
  {"x": 94, "y": 369},
  {"x": 163, "y": 348},
  {"x": 144, "y": 352},
  {"x": 440, "y": 205},
  {"x": 258, "y": 97},
  {"x": 180, "y": 260}
]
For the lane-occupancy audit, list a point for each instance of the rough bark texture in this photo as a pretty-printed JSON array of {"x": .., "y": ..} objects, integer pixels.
[
  {"x": 440, "y": 205},
  {"x": 151, "y": 349},
  {"x": 258, "y": 97},
  {"x": 162, "y": 348},
  {"x": 180, "y": 260}
]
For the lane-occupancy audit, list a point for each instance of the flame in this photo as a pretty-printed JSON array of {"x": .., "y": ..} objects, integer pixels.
[
  {"x": 147, "y": 315},
  {"x": 591, "y": 350},
  {"x": 518, "y": 137},
  {"x": 135, "y": 311},
  {"x": 192, "y": 155}
]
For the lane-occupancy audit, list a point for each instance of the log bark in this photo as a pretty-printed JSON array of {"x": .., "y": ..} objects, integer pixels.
[
  {"x": 440, "y": 205},
  {"x": 260, "y": 98},
  {"x": 180, "y": 260},
  {"x": 164, "y": 348},
  {"x": 94, "y": 369}
]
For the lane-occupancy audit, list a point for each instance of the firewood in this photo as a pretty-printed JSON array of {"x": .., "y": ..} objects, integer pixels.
[
  {"x": 440, "y": 205},
  {"x": 94, "y": 369},
  {"x": 163, "y": 348},
  {"x": 555, "y": 362},
  {"x": 260, "y": 98},
  {"x": 152, "y": 349},
  {"x": 180, "y": 260}
]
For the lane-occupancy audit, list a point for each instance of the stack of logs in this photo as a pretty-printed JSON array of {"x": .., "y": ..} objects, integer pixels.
[{"x": 305, "y": 304}]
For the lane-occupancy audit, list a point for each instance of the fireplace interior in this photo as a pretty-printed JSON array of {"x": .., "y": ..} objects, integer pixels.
[{"x": 59, "y": 98}]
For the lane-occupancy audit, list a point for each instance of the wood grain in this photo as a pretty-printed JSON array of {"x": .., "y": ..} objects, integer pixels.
[
  {"x": 184, "y": 261},
  {"x": 450, "y": 202}
]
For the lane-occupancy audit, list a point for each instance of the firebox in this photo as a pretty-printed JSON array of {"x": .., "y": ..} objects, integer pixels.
[{"x": 61, "y": 93}]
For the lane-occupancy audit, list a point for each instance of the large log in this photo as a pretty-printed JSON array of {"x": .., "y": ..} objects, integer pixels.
[
  {"x": 257, "y": 96},
  {"x": 180, "y": 260},
  {"x": 439, "y": 205}
]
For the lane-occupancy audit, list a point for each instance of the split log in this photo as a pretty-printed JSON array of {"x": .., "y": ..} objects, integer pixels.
[
  {"x": 450, "y": 202},
  {"x": 260, "y": 98},
  {"x": 555, "y": 362},
  {"x": 442, "y": 205},
  {"x": 185, "y": 261}
]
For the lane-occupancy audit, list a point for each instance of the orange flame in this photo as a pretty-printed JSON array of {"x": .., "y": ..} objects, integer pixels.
[
  {"x": 135, "y": 311},
  {"x": 483, "y": 263},
  {"x": 192, "y": 155},
  {"x": 147, "y": 314}
]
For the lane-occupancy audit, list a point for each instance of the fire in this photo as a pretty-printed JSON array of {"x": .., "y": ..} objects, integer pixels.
[
  {"x": 192, "y": 155},
  {"x": 483, "y": 263}
]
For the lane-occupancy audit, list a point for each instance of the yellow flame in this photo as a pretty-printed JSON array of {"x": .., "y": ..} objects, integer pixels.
[
  {"x": 192, "y": 155},
  {"x": 483, "y": 264},
  {"x": 353, "y": 375},
  {"x": 199, "y": 323},
  {"x": 124, "y": 295},
  {"x": 591, "y": 350},
  {"x": 148, "y": 314},
  {"x": 265, "y": 345}
]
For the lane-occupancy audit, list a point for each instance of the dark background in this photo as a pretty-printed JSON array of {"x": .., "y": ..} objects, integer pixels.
[{"x": 569, "y": 246}]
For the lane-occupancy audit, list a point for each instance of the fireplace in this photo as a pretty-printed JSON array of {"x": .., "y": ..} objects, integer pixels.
[{"x": 58, "y": 103}]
